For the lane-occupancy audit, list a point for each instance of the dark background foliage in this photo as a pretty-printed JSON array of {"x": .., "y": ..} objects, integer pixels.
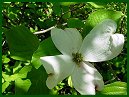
[{"x": 19, "y": 75}]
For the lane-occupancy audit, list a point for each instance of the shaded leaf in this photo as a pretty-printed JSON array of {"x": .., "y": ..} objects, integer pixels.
[
  {"x": 49, "y": 23},
  {"x": 38, "y": 81},
  {"x": 75, "y": 23},
  {"x": 65, "y": 11},
  {"x": 57, "y": 9},
  {"x": 46, "y": 48},
  {"x": 22, "y": 43}
]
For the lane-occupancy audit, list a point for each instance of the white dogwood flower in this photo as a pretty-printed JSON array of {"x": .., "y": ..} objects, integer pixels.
[{"x": 101, "y": 44}]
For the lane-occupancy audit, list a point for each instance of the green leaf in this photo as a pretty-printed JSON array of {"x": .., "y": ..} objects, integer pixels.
[
  {"x": 17, "y": 66},
  {"x": 98, "y": 16},
  {"x": 12, "y": 15},
  {"x": 21, "y": 74},
  {"x": 22, "y": 43},
  {"x": 57, "y": 9},
  {"x": 6, "y": 76},
  {"x": 2, "y": 80},
  {"x": 24, "y": 71},
  {"x": 30, "y": 5},
  {"x": 49, "y": 23},
  {"x": 118, "y": 83},
  {"x": 46, "y": 48},
  {"x": 116, "y": 88},
  {"x": 98, "y": 4},
  {"x": 13, "y": 77},
  {"x": 4, "y": 86},
  {"x": 67, "y": 3},
  {"x": 38, "y": 79},
  {"x": 70, "y": 81},
  {"x": 65, "y": 9},
  {"x": 22, "y": 86},
  {"x": 5, "y": 59},
  {"x": 66, "y": 15},
  {"x": 75, "y": 23}
]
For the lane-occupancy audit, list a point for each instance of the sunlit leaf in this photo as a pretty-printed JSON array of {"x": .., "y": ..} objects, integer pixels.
[
  {"x": 5, "y": 59},
  {"x": 17, "y": 66},
  {"x": 22, "y": 86},
  {"x": 98, "y": 4},
  {"x": 70, "y": 82},
  {"x": 98, "y": 16},
  {"x": 24, "y": 71},
  {"x": 4, "y": 86},
  {"x": 67, "y": 3},
  {"x": 21, "y": 74},
  {"x": 2, "y": 80},
  {"x": 116, "y": 88},
  {"x": 5, "y": 76}
]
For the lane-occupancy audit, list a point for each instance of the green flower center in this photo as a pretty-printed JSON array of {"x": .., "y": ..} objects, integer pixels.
[{"x": 77, "y": 58}]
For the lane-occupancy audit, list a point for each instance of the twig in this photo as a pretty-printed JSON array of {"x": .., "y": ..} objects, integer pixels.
[
  {"x": 3, "y": 43},
  {"x": 109, "y": 80},
  {"x": 44, "y": 31},
  {"x": 114, "y": 75}
]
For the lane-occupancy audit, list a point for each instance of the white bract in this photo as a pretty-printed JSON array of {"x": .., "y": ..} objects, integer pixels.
[{"x": 101, "y": 44}]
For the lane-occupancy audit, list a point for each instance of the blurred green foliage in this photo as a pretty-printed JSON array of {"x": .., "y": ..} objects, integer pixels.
[{"x": 22, "y": 77}]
